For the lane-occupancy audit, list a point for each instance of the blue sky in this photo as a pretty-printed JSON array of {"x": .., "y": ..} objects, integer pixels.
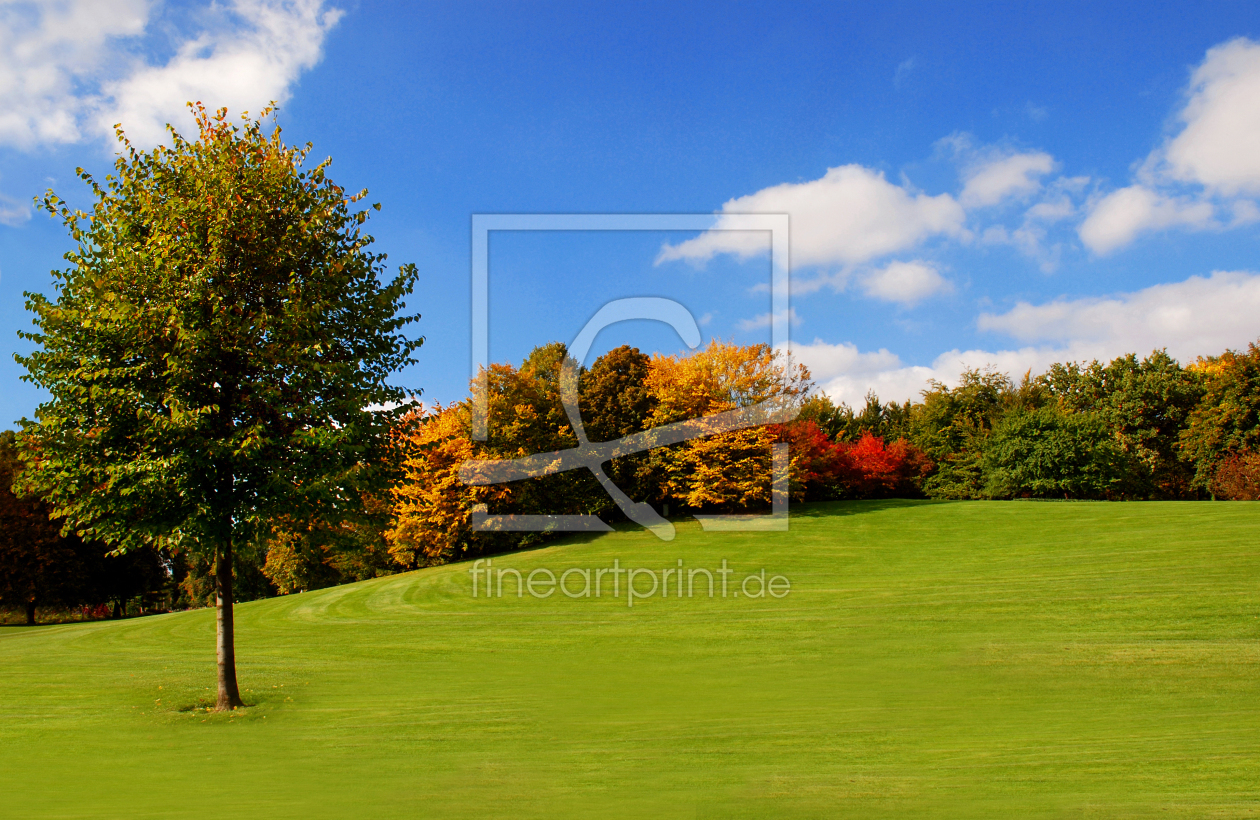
[{"x": 995, "y": 184}]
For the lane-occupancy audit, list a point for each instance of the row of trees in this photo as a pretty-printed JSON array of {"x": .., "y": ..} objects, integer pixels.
[
  {"x": 1129, "y": 429},
  {"x": 626, "y": 392},
  {"x": 44, "y": 568}
]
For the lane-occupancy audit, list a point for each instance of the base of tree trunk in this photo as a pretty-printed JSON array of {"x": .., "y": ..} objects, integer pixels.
[{"x": 30, "y": 613}]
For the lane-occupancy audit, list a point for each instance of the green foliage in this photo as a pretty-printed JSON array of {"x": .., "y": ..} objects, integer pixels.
[
  {"x": 526, "y": 416},
  {"x": 889, "y": 421},
  {"x": 195, "y": 571},
  {"x": 839, "y": 422},
  {"x": 213, "y": 348},
  {"x": 302, "y": 556},
  {"x": 951, "y": 426},
  {"x": 1145, "y": 404},
  {"x": 834, "y": 420},
  {"x": 41, "y": 567},
  {"x": 1049, "y": 452}
]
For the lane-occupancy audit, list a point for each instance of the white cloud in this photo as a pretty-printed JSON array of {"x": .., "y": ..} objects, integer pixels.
[
  {"x": 801, "y": 285},
  {"x": 1219, "y": 146},
  {"x": 906, "y": 283},
  {"x": 998, "y": 178},
  {"x": 845, "y": 373},
  {"x": 242, "y": 67},
  {"x": 1057, "y": 203},
  {"x": 70, "y": 70},
  {"x": 1214, "y": 157},
  {"x": 764, "y": 319},
  {"x": 46, "y": 50},
  {"x": 850, "y": 215},
  {"x": 1121, "y": 215},
  {"x": 1199, "y": 316}
]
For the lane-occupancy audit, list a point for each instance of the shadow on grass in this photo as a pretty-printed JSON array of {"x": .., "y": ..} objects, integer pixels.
[
  {"x": 799, "y": 510},
  {"x": 831, "y": 509}
]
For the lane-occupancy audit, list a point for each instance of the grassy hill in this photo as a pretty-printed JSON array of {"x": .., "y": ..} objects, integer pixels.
[{"x": 969, "y": 659}]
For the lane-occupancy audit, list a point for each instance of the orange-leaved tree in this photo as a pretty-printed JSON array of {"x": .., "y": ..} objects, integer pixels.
[{"x": 726, "y": 470}]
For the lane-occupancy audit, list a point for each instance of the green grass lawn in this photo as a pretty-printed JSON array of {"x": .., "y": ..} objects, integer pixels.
[{"x": 932, "y": 659}]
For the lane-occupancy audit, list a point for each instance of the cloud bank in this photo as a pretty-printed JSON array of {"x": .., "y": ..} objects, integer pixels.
[{"x": 1202, "y": 315}]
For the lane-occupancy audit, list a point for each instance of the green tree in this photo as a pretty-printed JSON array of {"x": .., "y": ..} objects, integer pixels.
[
  {"x": 889, "y": 421},
  {"x": 212, "y": 352},
  {"x": 1146, "y": 404},
  {"x": 951, "y": 426},
  {"x": 1049, "y": 452}
]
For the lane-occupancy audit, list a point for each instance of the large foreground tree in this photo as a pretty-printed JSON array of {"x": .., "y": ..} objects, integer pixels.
[{"x": 212, "y": 352}]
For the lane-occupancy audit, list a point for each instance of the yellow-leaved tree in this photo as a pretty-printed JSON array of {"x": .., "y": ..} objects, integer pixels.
[{"x": 728, "y": 470}]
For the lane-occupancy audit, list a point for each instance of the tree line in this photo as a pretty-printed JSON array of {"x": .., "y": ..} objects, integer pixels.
[{"x": 1130, "y": 429}]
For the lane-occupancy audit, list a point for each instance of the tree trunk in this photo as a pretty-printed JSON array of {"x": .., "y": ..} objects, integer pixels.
[
  {"x": 229, "y": 694},
  {"x": 30, "y": 613}
]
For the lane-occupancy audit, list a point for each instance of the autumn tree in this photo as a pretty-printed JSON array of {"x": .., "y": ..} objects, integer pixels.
[
  {"x": 1227, "y": 419},
  {"x": 1237, "y": 477},
  {"x": 616, "y": 402},
  {"x": 306, "y": 554},
  {"x": 432, "y": 506},
  {"x": 212, "y": 351},
  {"x": 728, "y": 469},
  {"x": 874, "y": 468}
]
